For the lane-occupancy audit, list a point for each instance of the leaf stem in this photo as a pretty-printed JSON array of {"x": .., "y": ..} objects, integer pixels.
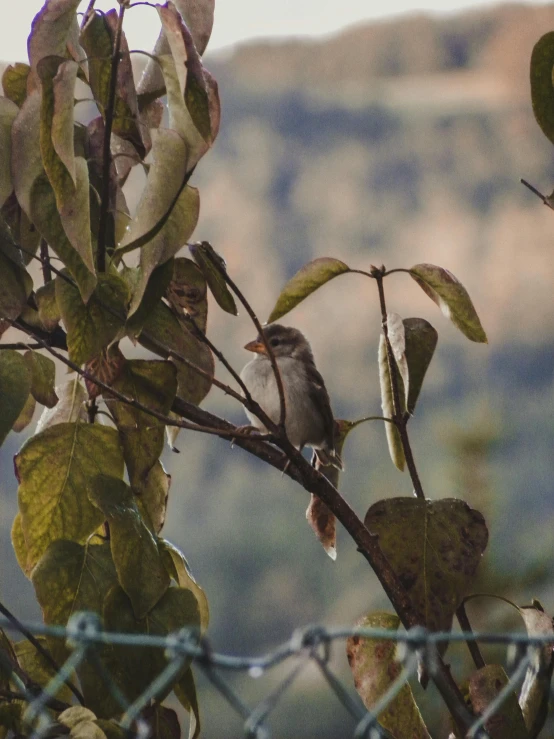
[
  {"x": 472, "y": 645},
  {"x": 106, "y": 151},
  {"x": 399, "y": 418},
  {"x": 45, "y": 260},
  {"x": 536, "y": 192}
]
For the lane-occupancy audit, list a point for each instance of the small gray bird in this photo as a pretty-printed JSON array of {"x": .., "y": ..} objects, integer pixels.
[{"x": 309, "y": 419}]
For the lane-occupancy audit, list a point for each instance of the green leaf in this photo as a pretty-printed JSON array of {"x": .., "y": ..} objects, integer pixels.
[
  {"x": 374, "y": 668},
  {"x": 48, "y": 309},
  {"x": 155, "y": 291},
  {"x": 97, "y": 39},
  {"x": 8, "y": 112},
  {"x": 55, "y": 469},
  {"x": 535, "y": 692},
  {"x": 70, "y": 407},
  {"x": 166, "y": 329},
  {"x": 212, "y": 266},
  {"x": 134, "y": 669},
  {"x": 152, "y": 383},
  {"x": 14, "y": 82},
  {"x": 92, "y": 327},
  {"x": 165, "y": 183},
  {"x": 421, "y": 341},
  {"x": 139, "y": 567},
  {"x": 434, "y": 547},
  {"x": 452, "y": 298},
  {"x": 394, "y": 442},
  {"x": 15, "y": 386},
  {"x": 43, "y": 378},
  {"x": 185, "y": 690},
  {"x": 15, "y": 287},
  {"x": 69, "y": 578},
  {"x": 542, "y": 87},
  {"x": 38, "y": 668},
  {"x": 26, "y": 415},
  {"x": 25, "y": 238},
  {"x": 152, "y": 496},
  {"x": 306, "y": 281},
  {"x": 19, "y": 545},
  {"x": 177, "y": 567},
  {"x": 507, "y": 721}
]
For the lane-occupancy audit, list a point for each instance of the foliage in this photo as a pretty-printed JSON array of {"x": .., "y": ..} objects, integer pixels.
[{"x": 92, "y": 490}]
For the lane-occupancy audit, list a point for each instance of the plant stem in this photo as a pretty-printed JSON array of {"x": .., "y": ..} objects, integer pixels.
[
  {"x": 472, "y": 645},
  {"x": 106, "y": 151},
  {"x": 45, "y": 260},
  {"x": 399, "y": 418}
]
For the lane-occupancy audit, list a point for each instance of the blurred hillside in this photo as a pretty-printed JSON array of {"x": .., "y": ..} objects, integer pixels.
[{"x": 391, "y": 143}]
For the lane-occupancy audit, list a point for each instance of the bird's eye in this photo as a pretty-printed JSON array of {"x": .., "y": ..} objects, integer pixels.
[{"x": 274, "y": 342}]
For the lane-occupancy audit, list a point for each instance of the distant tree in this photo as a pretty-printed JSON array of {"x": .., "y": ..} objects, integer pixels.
[{"x": 92, "y": 490}]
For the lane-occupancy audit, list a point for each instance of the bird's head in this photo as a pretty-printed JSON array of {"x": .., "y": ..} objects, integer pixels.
[{"x": 284, "y": 341}]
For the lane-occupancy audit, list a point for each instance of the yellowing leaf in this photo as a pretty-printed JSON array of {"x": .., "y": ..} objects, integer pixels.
[
  {"x": 394, "y": 442},
  {"x": 211, "y": 265},
  {"x": 43, "y": 378},
  {"x": 484, "y": 686},
  {"x": 434, "y": 547},
  {"x": 8, "y": 112},
  {"x": 178, "y": 568},
  {"x": 452, "y": 298},
  {"x": 15, "y": 385},
  {"x": 92, "y": 327},
  {"x": 138, "y": 563},
  {"x": 306, "y": 281},
  {"x": 375, "y": 669},
  {"x": 14, "y": 82},
  {"x": 535, "y": 691},
  {"x": 55, "y": 469}
]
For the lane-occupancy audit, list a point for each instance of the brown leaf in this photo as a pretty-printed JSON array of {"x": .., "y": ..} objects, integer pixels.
[{"x": 484, "y": 686}]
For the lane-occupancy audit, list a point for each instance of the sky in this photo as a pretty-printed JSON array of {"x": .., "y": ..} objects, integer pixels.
[{"x": 235, "y": 20}]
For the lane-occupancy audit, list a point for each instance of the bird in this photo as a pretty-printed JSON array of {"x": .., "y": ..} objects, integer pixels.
[{"x": 309, "y": 419}]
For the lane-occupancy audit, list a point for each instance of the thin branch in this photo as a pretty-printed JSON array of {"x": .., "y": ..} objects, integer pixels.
[
  {"x": 398, "y": 417},
  {"x": 106, "y": 152},
  {"x": 20, "y": 346},
  {"x": 536, "y": 192},
  {"x": 45, "y": 259},
  {"x": 472, "y": 645},
  {"x": 40, "y": 649}
]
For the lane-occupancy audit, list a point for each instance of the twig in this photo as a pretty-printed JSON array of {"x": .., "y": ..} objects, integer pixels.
[
  {"x": 106, "y": 150},
  {"x": 399, "y": 418},
  {"x": 45, "y": 259},
  {"x": 536, "y": 192},
  {"x": 20, "y": 346},
  {"x": 40, "y": 649},
  {"x": 472, "y": 645}
]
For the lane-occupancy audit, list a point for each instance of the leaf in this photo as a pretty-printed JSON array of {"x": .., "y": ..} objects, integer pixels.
[
  {"x": 164, "y": 184},
  {"x": 75, "y": 715},
  {"x": 162, "y": 722},
  {"x": 55, "y": 29},
  {"x": 542, "y": 89},
  {"x": 172, "y": 334},
  {"x": 43, "y": 378},
  {"x": 14, "y": 82},
  {"x": 15, "y": 288},
  {"x": 155, "y": 291},
  {"x": 38, "y": 668},
  {"x": 24, "y": 239},
  {"x": 152, "y": 383},
  {"x": 306, "y": 281},
  {"x": 374, "y": 667},
  {"x": 452, "y": 298},
  {"x": 434, "y": 547},
  {"x": 36, "y": 196},
  {"x": 421, "y": 341},
  {"x": 139, "y": 567},
  {"x": 19, "y": 545},
  {"x": 26, "y": 415},
  {"x": 70, "y": 407},
  {"x": 15, "y": 386},
  {"x": 48, "y": 310},
  {"x": 211, "y": 265},
  {"x": 55, "y": 469},
  {"x": 92, "y": 327},
  {"x": 8, "y": 112},
  {"x": 106, "y": 367},
  {"x": 187, "y": 291},
  {"x": 397, "y": 340},
  {"x": 135, "y": 669},
  {"x": 394, "y": 442},
  {"x": 152, "y": 496},
  {"x": 185, "y": 690},
  {"x": 178, "y": 569},
  {"x": 484, "y": 686},
  {"x": 535, "y": 691},
  {"x": 199, "y": 18},
  {"x": 98, "y": 40}
]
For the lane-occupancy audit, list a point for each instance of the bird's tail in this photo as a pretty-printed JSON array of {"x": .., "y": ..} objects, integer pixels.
[{"x": 329, "y": 458}]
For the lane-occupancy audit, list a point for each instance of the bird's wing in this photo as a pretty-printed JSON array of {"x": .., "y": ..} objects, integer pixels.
[{"x": 320, "y": 397}]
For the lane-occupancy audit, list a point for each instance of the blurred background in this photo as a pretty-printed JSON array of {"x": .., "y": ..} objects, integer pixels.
[{"x": 389, "y": 141}]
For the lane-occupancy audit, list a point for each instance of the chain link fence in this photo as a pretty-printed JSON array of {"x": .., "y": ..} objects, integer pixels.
[{"x": 417, "y": 648}]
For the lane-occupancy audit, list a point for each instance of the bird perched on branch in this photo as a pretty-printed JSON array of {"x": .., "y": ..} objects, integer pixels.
[{"x": 309, "y": 419}]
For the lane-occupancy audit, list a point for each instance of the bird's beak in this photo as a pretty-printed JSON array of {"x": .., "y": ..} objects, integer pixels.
[{"x": 255, "y": 346}]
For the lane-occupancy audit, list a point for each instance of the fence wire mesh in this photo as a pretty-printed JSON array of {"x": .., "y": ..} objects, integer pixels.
[{"x": 84, "y": 635}]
